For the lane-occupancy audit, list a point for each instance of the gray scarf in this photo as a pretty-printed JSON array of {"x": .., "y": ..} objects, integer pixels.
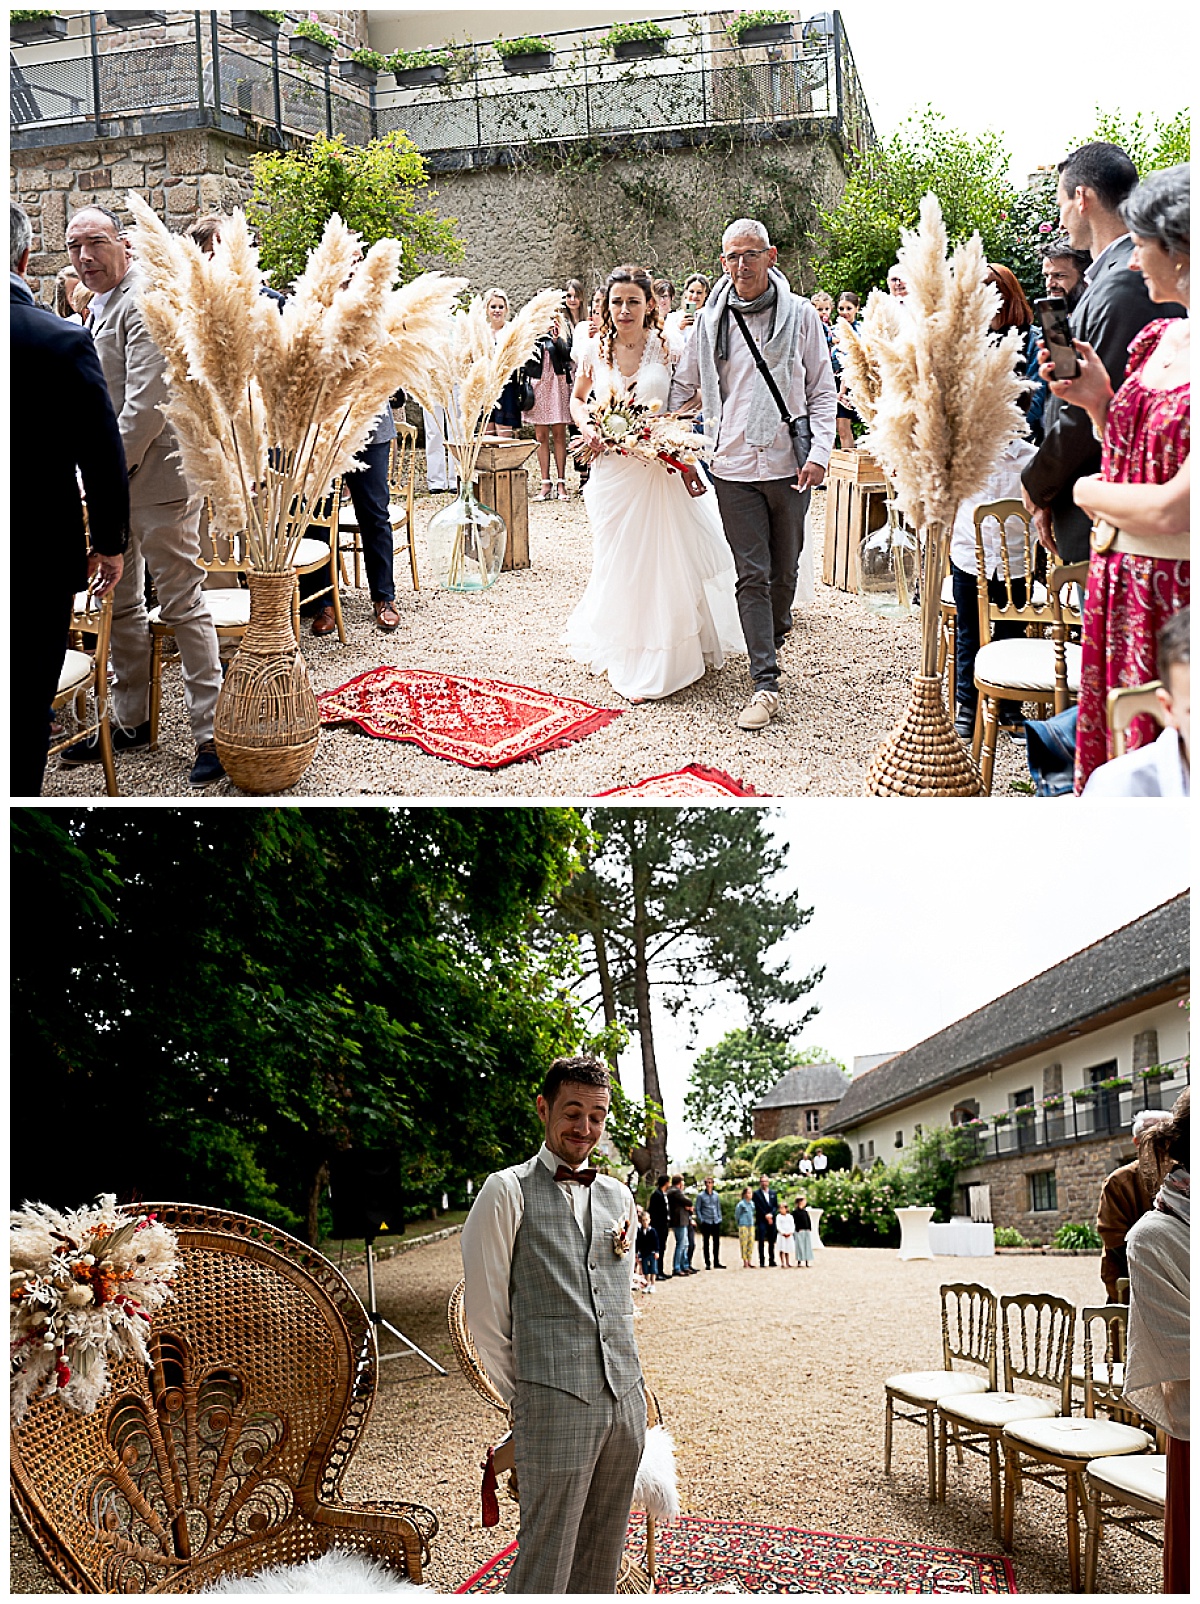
[{"x": 715, "y": 329}]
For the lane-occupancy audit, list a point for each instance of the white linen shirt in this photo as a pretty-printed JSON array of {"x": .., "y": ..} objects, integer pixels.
[
  {"x": 1004, "y": 484},
  {"x": 813, "y": 394},
  {"x": 487, "y": 1247},
  {"x": 1157, "y": 769}
]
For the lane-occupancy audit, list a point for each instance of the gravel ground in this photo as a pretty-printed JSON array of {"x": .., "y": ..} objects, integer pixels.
[
  {"x": 848, "y": 675},
  {"x": 772, "y": 1388}
]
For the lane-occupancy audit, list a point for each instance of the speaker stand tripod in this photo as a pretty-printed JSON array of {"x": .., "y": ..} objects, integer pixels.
[{"x": 379, "y": 1323}]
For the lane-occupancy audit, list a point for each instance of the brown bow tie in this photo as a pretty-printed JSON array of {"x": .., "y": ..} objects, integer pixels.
[{"x": 584, "y": 1177}]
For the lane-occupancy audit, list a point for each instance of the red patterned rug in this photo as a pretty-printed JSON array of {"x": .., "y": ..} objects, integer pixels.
[
  {"x": 481, "y": 723},
  {"x": 694, "y": 780},
  {"x": 737, "y": 1556}
]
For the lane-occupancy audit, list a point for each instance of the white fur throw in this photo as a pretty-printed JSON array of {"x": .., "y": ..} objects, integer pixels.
[
  {"x": 336, "y": 1573},
  {"x": 656, "y": 1490}
]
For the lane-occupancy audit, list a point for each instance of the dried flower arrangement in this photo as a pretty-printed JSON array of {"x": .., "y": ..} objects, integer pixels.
[
  {"x": 945, "y": 408},
  {"x": 269, "y": 406},
  {"x": 633, "y": 428},
  {"x": 474, "y": 366},
  {"x": 84, "y": 1287}
]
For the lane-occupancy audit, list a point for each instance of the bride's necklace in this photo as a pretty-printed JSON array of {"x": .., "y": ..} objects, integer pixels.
[{"x": 638, "y": 347}]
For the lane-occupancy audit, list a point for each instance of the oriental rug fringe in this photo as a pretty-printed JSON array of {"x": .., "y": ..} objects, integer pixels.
[
  {"x": 480, "y": 723},
  {"x": 693, "y": 781},
  {"x": 737, "y": 1556}
]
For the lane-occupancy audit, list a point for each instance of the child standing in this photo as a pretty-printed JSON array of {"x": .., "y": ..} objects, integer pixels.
[
  {"x": 743, "y": 1214},
  {"x": 785, "y": 1238},
  {"x": 803, "y": 1233},
  {"x": 648, "y": 1248}
]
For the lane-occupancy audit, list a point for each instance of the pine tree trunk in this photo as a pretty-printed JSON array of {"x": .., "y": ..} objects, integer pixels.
[
  {"x": 608, "y": 994},
  {"x": 657, "y": 1145}
]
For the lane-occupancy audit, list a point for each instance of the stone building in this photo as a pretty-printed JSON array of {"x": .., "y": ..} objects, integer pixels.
[
  {"x": 1047, "y": 1078},
  {"x": 800, "y": 1103},
  {"x": 548, "y": 174}
]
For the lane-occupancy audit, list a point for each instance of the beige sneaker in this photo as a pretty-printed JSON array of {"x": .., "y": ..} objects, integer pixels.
[{"x": 759, "y": 711}]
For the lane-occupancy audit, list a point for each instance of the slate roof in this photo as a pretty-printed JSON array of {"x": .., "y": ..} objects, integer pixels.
[
  {"x": 812, "y": 1083},
  {"x": 1110, "y": 977}
]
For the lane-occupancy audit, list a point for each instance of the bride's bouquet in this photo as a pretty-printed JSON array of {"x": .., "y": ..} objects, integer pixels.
[{"x": 634, "y": 428}]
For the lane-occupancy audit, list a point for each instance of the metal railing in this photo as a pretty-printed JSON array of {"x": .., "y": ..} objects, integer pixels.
[
  {"x": 202, "y": 74},
  {"x": 1100, "y": 1113},
  {"x": 206, "y": 74}
]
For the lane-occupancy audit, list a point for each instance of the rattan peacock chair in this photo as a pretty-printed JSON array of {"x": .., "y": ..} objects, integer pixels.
[
  {"x": 633, "y": 1578},
  {"x": 227, "y": 1455}
]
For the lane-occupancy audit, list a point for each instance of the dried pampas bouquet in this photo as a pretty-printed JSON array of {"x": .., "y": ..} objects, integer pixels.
[
  {"x": 475, "y": 368},
  {"x": 83, "y": 1288},
  {"x": 269, "y": 406},
  {"x": 947, "y": 392}
]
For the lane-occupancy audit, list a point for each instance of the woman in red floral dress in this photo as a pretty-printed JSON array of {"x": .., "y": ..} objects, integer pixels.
[{"x": 1139, "y": 574}]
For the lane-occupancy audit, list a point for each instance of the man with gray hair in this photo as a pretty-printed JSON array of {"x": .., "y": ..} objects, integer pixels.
[
  {"x": 759, "y": 359},
  {"x": 164, "y": 515},
  {"x": 62, "y": 429}
]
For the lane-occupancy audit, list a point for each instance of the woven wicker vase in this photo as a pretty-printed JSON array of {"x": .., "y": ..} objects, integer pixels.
[
  {"x": 266, "y": 725},
  {"x": 923, "y": 756}
]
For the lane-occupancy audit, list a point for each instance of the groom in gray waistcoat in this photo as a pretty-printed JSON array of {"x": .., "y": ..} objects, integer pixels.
[
  {"x": 764, "y": 468},
  {"x": 548, "y": 1265}
]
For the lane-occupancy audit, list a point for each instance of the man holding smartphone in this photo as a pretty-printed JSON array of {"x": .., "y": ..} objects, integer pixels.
[{"x": 1093, "y": 182}]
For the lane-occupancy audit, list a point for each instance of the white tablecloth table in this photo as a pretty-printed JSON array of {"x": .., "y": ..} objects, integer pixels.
[
  {"x": 965, "y": 1239},
  {"x": 815, "y": 1216}
]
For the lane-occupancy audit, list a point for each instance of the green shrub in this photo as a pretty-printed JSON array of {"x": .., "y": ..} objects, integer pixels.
[
  {"x": 528, "y": 46},
  {"x": 1078, "y": 1235},
  {"x": 756, "y": 19},
  {"x": 273, "y": 16},
  {"x": 835, "y": 1149},
  {"x": 620, "y": 32},
  {"x": 779, "y": 1157},
  {"x": 369, "y": 58},
  {"x": 310, "y": 30},
  {"x": 406, "y": 60},
  {"x": 748, "y": 1150},
  {"x": 30, "y": 16},
  {"x": 739, "y": 1169},
  {"x": 860, "y": 1210},
  {"x": 1007, "y": 1236}
]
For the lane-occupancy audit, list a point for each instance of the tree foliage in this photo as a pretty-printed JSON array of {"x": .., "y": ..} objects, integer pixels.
[
  {"x": 227, "y": 1000},
  {"x": 374, "y": 188},
  {"x": 729, "y": 1078},
  {"x": 672, "y": 903},
  {"x": 1151, "y": 144}
]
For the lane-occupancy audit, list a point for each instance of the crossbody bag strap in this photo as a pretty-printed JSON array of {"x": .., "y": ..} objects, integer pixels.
[{"x": 765, "y": 371}]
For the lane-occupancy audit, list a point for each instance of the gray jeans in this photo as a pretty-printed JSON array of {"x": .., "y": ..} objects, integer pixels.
[{"x": 764, "y": 525}]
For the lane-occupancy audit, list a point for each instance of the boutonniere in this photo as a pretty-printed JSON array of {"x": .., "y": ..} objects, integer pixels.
[{"x": 620, "y": 1238}]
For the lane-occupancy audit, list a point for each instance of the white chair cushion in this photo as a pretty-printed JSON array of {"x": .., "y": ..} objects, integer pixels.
[
  {"x": 1025, "y": 665},
  {"x": 995, "y": 1408},
  {"x": 1143, "y": 1475},
  {"x": 310, "y": 552},
  {"x": 948, "y": 590},
  {"x": 228, "y": 609},
  {"x": 1077, "y": 1437},
  {"x": 76, "y": 671},
  {"x": 79, "y": 605},
  {"x": 1102, "y": 1375},
  {"x": 927, "y": 1386}
]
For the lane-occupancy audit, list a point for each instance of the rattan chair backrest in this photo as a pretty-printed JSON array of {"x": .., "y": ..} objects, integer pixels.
[
  {"x": 227, "y": 1455},
  {"x": 1104, "y": 1337},
  {"x": 466, "y": 1352},
  {"x": 969, "y": 1327},
  {"x": 1038, "y": 1337}
]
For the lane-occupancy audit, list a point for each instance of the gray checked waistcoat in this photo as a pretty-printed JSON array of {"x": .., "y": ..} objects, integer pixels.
[{"x": 572, "y": 1314}]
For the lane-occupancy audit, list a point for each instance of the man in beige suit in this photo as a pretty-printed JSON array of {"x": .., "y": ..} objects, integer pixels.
[{"x": 164, "y": 517}]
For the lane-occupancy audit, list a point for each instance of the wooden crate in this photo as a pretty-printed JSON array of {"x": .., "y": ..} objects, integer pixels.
[
  {"x": 503, "y": 484},
  {"x": 853, "y": 506}
]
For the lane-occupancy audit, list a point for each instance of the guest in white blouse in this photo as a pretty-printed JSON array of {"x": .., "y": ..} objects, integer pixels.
[{"x": 548, "y": 1257}]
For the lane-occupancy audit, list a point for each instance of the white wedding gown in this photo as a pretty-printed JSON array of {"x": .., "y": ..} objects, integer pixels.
[{"x": 659, "y": 607}]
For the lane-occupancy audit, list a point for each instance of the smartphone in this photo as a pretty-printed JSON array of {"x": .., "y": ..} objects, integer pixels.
[{"x": 1056, "y": 331}]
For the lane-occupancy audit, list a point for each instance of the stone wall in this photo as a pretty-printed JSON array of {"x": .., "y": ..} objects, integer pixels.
[
  {"x": 772, "y": 1123},
  {"x": 179, "y": 175},
  {"x": 569, "y": 214},
  {"x": 1079, "y": 1173}
]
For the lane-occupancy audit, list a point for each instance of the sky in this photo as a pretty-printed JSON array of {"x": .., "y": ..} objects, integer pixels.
[
  {"x": 983, "y": 65},
  {"x": 923, "y": 913}
]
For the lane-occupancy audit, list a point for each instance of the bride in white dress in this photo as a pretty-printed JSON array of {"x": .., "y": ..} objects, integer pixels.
[{"x": 659, "y": 607}]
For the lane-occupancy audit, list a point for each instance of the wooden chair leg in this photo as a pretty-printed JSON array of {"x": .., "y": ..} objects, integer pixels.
[
  {"x": 412, "y": 557},
  {"x": 941, "y": 1460},
  {"x": 930, "y": 1458},
  {"x": 106, "y": 753},
  {"x": 991, "y": 722},
  {"x": 994, "y": 1477},
  {"x": 1092, "y": 1514},
  {"x": 156, "y": 671},
  {"x": 1073, "y": 1528},
  {"x": 958, "y": 1447},
  {"x": 1010, "y": 1488},
  {"x": 887, "y": 1437}
]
